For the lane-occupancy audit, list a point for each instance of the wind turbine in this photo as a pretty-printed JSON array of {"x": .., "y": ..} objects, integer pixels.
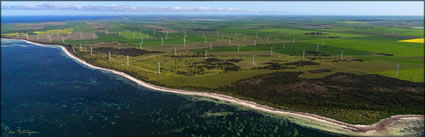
[
  {"x": 271, "y": 51},
  {"x": 159, "y": 68},
  {"x": 184, "y": 42},
  {"x": 396, "y": 72},
  {"x": 128, "y": 63},
  {"x": 317, "y": 47},
  {"x": 253, "y": 59},
  {"x": 166, "y": 36}
]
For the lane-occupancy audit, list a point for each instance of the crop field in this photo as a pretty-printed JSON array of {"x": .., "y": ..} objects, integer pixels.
[
  {"x": 60, "y": 31},
  {"x": 307, "y": 57},
  {"x": 418, "y": 40}
]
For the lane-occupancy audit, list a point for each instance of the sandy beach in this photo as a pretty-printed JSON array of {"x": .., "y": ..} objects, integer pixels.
[{"x": 385, "y": 127}]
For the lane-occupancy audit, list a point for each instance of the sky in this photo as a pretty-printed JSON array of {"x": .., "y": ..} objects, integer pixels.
[{"x": 368, "y": 8}]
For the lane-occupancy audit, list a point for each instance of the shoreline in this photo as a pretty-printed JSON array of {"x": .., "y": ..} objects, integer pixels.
[{"x": 306, "y": 119}]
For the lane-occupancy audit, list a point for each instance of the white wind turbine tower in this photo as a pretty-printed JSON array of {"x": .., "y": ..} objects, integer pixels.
[
  {"x": 342, "y": 54},
  {"x": 50, "y": 38},
  {"x": 396, "y": 72},
  {"x": 81, "y": 48},
  {"x": 317, "y": 47},
  {"x": 81, "y": 35},
  {"x": 91, "y": 50},
  {"x": 175, "y": 51},
  {"x": 166, "y": 35},
  {"x": 210, "y": 45},
  {"x": 27, "y": 36},
  {"x": 303, "y": 53},
  {"x": 184, "y": 42},
  {"x": 162, "y": 41},
  {"x": 206, "y": 54},
  {"x": 109, "y": 55},
  {"x": 284, "y": 44},
  {"x": 159, "y": 68},
  {"x": 17, "y": 34},
  {"x": 271, "y": 51},
  {"x": 253, "y": 59},
  {"x": 63, "y": 41},
  {"x": 128, "y": 63},
  {"x": 38, "y": 37},
  {"x": 140, "y": 45},
  {"x": 222, "y": 36}
]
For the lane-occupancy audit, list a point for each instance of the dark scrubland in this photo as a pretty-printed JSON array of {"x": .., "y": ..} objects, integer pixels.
[
  {"x": 200, "y": 67},
  {"x": 343, "y": 96},
  {"x": 319, "y": 70}
]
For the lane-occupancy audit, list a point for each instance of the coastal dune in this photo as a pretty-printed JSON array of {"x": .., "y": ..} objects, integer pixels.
[{"x": 393, "y": 126}]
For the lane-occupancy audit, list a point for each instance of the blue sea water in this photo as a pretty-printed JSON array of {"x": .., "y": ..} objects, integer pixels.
[{"x": 45, "y": 91}]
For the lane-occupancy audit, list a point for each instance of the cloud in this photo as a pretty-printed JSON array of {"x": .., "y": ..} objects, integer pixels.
[{"x": 127, "y": 8}]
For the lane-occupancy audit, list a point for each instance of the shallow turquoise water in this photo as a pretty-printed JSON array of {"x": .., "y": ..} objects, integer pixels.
[{"x": 47, "y": 92}]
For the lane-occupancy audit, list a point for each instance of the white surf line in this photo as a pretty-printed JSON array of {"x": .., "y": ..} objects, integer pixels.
[{"x": 320, "y": 119}]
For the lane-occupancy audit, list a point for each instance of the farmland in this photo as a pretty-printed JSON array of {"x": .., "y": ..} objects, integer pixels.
[{"x": 321, "y": 65}]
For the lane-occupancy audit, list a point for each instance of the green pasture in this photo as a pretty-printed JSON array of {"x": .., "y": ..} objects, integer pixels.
[{"x": 409, "y": 74}]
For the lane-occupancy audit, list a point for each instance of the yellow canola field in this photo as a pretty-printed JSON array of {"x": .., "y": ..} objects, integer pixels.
[
  {"x": 418, "y": 40},
  {"x": 55, "y": 31}
]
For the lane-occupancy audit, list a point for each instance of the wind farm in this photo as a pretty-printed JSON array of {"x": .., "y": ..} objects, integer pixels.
[{"x": 332, "y": 67}]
